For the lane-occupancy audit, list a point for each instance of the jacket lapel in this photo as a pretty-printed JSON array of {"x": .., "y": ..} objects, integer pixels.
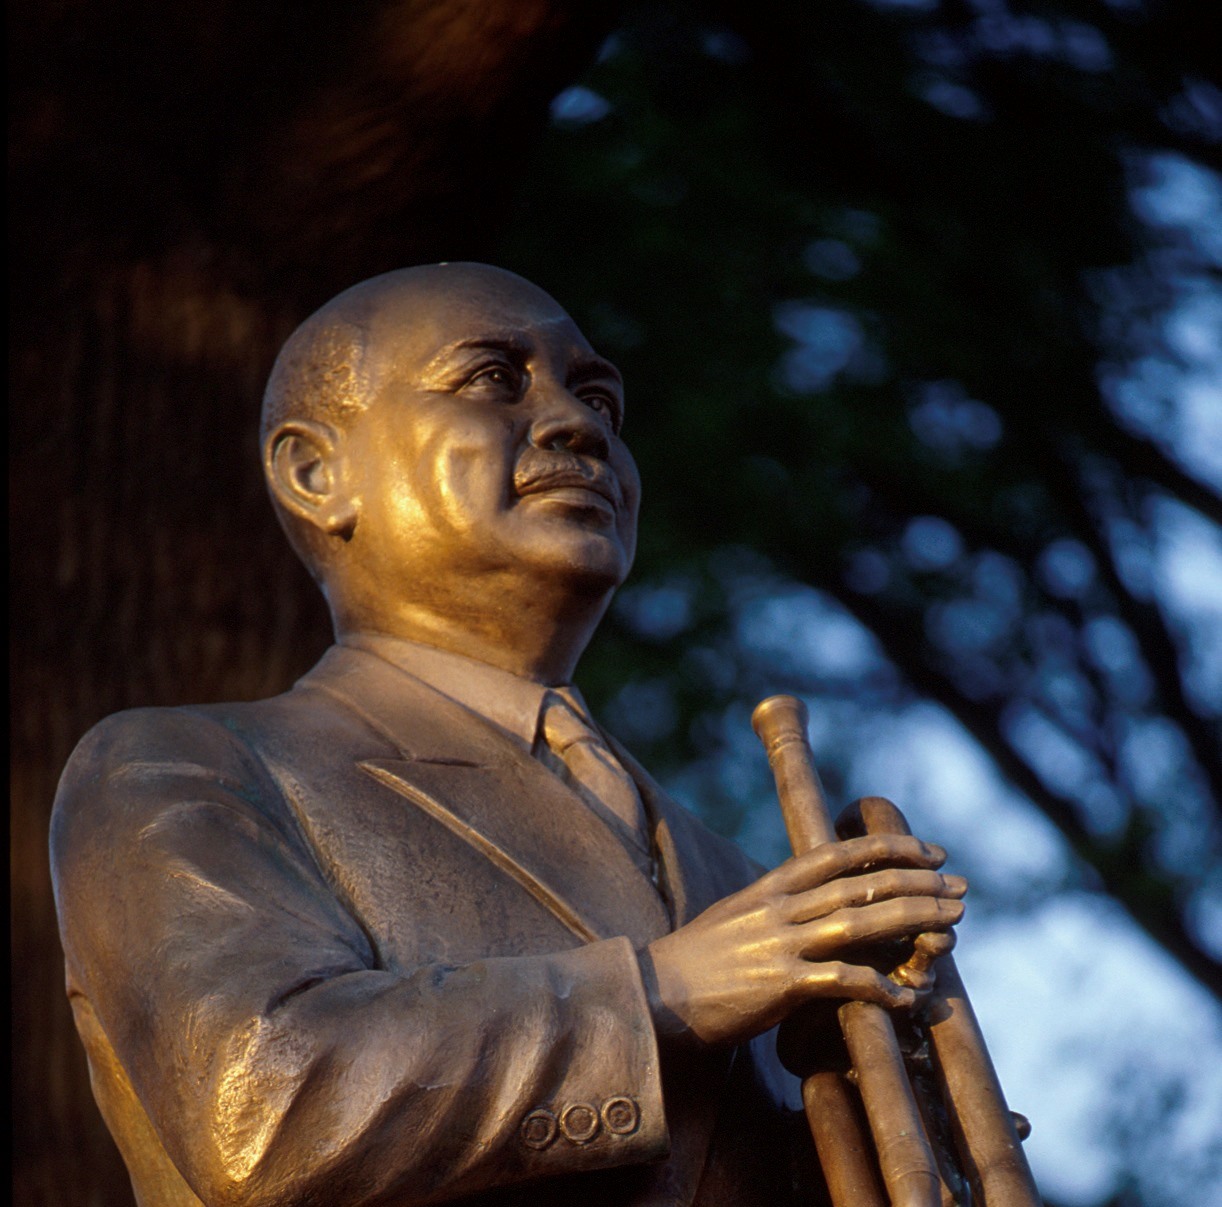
[{"x": 488, "y": 792}]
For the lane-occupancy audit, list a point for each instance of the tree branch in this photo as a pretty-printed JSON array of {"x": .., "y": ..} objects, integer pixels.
[
  {"x": 1140, "y": 457},
  {"x": 1162, "y": 656},
  {"x": 1155, "y": 910}
]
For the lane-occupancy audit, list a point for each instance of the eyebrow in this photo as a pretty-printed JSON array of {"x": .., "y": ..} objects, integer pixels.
[
  {"x": 591, "y": 368},
  {"x": 585, "y": 368}
]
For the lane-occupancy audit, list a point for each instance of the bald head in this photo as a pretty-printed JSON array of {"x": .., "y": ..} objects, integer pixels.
[{"x": 330, "y": 367}]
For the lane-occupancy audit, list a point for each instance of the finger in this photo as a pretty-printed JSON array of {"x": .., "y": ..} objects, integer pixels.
[
  {"x": 878, "y": 923},
  {"x": 832, "y": 860},
  {"x": 838, "y": 979},
  {"x": 922, "y": 980},
  {"x": 890, "y": 850},
  {"x": 865, "y": 889}
]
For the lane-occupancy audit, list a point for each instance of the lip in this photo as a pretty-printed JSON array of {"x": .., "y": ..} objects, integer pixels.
[{"x": 572, "y": 485}]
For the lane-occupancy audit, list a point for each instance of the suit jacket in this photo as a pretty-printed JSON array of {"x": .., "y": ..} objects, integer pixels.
[{"x": 351, "y": 945}]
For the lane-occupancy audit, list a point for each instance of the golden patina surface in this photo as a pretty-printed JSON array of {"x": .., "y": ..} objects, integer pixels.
[{"x": 407, "y": 933}]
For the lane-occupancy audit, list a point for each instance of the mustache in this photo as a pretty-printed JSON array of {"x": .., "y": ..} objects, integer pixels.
[{"x": 538, "y": 470}]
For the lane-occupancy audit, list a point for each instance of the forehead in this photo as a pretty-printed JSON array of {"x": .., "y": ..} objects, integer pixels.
[{"x": 411, "y": 328}]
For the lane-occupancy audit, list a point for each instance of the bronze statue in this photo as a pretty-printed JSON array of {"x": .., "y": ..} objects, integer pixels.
[{"x": 418, "y": 930}]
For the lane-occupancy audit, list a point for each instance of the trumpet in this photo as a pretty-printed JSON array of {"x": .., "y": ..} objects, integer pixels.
[{"x": 908, "y": 1110}]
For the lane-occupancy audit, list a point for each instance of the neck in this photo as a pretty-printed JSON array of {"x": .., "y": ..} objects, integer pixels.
[{"x": 536, "y": 639}]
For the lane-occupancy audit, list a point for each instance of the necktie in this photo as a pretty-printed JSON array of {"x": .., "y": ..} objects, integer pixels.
[{"x": 591, "y": 768}]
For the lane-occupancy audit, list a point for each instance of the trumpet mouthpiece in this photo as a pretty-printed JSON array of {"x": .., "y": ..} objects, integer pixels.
[{"x": 778, "y": 718}]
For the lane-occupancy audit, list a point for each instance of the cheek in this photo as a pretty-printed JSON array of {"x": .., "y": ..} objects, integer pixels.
[
  {"x": 630, "y": 483},
  {"x": 466, "y": 473},
  {"x": 629, "y": 478}
]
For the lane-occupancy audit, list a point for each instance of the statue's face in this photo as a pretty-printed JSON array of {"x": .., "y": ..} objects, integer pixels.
[{"x": 490, "y": 452}]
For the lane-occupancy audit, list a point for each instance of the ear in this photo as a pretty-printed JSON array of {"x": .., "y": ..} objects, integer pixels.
[{"x": 306, "y": 471}]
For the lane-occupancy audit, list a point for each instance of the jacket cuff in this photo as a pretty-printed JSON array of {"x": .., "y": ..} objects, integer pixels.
[{"x": 606, "y": 1108}]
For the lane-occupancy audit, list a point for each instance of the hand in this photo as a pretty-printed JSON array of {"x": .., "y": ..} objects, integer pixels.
[{"x": 750, "y": 960}]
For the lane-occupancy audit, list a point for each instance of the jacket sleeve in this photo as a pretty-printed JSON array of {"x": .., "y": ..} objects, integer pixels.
[{"x": 276, "y": 1061}]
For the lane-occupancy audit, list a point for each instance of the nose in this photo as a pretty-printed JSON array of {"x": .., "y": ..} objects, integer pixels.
[{"x": 565, "y": 423}]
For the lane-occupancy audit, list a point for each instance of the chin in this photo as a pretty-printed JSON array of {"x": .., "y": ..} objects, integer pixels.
[
  {"x": 589, "y": 578},
  {"x": 592, "y": 559},
  {"x": 587, "y": 572}
]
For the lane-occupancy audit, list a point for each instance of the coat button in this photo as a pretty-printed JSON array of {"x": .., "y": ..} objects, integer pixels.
[
  {"x": 539, "y": 1128},
  {"x": 622, "y": 1116},
  {"x": 579, "y": 1123}
]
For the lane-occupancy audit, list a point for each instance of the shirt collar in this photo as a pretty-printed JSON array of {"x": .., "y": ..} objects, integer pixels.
[{"x": 504, "y": 699}]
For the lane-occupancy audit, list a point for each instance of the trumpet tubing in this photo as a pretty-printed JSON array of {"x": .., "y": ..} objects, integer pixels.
[{"x": 988, "y": 1154}]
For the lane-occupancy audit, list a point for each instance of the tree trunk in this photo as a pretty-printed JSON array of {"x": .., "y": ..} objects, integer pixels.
[{"x": 189, "y": 184}]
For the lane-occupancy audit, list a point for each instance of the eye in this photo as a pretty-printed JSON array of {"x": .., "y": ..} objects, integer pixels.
[
  {"x": 501, "y": 377},
  {"x": 605, "y": 403}
]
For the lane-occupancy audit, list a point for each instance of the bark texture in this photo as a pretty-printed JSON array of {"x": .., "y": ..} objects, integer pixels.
[{"x": 188, "y": 183}]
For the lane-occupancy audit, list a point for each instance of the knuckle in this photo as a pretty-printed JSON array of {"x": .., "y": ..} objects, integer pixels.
[
  {"x": 827, "y": 861},
  {"x": 841, "y": 894},
  {"x": 775, "y": 913},
  {"x": 842, "y": 927},
  {"x": 893, "y": 883}
]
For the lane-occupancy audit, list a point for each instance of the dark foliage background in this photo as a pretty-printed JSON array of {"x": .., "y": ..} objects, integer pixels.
[{"x": 893, "y": 288}]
